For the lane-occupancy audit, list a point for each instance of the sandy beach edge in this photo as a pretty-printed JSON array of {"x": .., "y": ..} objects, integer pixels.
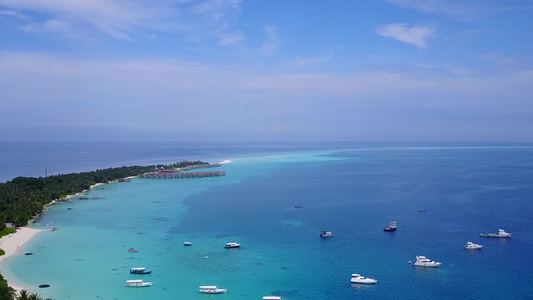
[{"x": 12, "y": 244}]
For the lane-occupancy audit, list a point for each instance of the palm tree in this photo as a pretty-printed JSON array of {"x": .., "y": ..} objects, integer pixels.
[
  {"x": 35, "y": 296},
  {"x": 23, "y": 295}
]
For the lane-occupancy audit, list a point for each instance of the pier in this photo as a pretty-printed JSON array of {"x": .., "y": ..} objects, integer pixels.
[
  {"x": 182, "y": 172},
  {"x": 179, "y": 174}
]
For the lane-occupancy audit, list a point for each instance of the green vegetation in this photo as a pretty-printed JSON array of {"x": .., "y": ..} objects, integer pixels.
[
  {"x": 6, "y": 292},
  {"x": 25, "y": 295},
  {"x": 7, "y": 231},
  {"x": 24, "y": 197}
]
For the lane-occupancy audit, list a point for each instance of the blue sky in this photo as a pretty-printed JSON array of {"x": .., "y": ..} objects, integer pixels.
[{"x": 346, "y": 70}]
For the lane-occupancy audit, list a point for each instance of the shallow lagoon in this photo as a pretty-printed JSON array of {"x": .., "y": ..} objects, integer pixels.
[{"x": 354, "y": 193}]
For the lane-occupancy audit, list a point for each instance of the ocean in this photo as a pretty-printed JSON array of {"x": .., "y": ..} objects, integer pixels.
[{"x": 275, "y": 200}]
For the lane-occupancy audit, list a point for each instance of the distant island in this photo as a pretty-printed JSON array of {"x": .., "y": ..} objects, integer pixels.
[{"x": 23, "y": 198}]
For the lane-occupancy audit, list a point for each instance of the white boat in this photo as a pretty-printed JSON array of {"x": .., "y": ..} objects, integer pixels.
[
  {"x": 138, "y": 283},
  {"x": 187, "y": 244},
  {"x": 422, "y": 261},
  {"x": 326, "y": 234},
  {"x": 391, "y": 227},
  {"x": 271, "y": 298},
  {"x": 211, "y": 289},
  {"x": 472, "y": 246},
  {"x": 501, "y": 234},
  {"x": 232, "y": 245},
  {"x": 356, "y": 278}
]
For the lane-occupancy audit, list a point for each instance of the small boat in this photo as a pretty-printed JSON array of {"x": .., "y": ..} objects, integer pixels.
[
  {"x": 422, "y": 261},
  {"x": 472, "y": 246},
  {"x": 421, "y": 210},
  {"x": 139, "y": 271},
  {"x": 391, "y": 227},
  {"x": 356, "y": 278},
  {"x": 271, "y": 298},
  {"x": 211, "y": 289},
  {"x": 232, "y": 245},
  {"x": 501, "y": 234},
  {"x": 132, "y": 250},
  {"x": 326, "y": 234},
  {"x": 137, "y": 283},
  {"x": 187, "y": 244},
  {"x": 297, "y": 206}
]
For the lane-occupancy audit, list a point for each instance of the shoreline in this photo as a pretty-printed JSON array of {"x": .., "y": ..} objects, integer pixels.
[{"x": 12, "y": 244}]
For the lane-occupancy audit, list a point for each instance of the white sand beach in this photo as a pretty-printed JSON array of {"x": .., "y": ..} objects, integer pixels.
[{"x": 13, "y": 242}]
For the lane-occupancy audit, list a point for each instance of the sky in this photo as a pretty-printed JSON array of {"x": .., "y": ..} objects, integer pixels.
[{"x": 266, "y": 70}]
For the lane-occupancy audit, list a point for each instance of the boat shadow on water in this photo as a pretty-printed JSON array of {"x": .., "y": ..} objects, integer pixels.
[{"x": 362, "y": 286}]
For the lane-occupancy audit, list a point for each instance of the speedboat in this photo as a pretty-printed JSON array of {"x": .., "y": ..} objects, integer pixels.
[
  {"x": 472, "y": 246},
  {"x": 132, "y": 250},
  {"x": 271, "y": 298},
  {"x": 211, "y": 289},
  {"x": 187, "y": 244},
  {"x": 391, "y": 227},
  {"x": 326, "y": 234},
  {"x": 138, "y": 283},
  {"x": 356, "y": 278},
  {"x": 501, "y": 234},
  {"x": 422, "y": 261},
  {"x": 139, "y": 271},
  {"x": 232, "y": 245}
]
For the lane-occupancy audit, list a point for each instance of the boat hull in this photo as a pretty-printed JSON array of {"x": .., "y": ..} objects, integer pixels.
[
  {"x": 367, "y": 281},
  {"x": 217, "y": 291},
  {"x": 495, "y": 235},
  {"x": 141, "y": 272},
  {"x": 429, "y": 265}
]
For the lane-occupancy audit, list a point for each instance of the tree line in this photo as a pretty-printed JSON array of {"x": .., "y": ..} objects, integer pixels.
[{"x": 23, "y": 198}]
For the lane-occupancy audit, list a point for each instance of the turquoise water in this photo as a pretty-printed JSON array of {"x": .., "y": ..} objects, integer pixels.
[{"x": 353, "y": 192}]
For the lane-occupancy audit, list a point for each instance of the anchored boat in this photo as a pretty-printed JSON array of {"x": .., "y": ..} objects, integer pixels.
[
  {"x": 326, "y": 233},
  {"x": 211, "y": 289},
  {"x": 422, "y": 261},
  {"x": 472, "y": 246},
  {"x": 391, "y": 227},
  {"x": 356, "y": 278},
  {"x": 501, "y": 234},
  {"x": 138, "y": 283}
]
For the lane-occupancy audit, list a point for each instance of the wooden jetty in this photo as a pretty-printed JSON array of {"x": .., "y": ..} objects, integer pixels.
[
  {"x": 184, "y": 172},
  {"x": 179, "y": 174}
]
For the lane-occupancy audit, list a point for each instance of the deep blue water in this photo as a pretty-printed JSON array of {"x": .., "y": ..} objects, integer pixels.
[{"x": 352, "y": 190}]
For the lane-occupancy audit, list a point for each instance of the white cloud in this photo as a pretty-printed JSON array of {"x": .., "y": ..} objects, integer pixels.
[
  {"x": 230, "y": 39},
  {"x": 455, "y": 8},
  {"x": 126, "y": 19},
  {"x": 271, "y": 42},
  {"x": 12, "y": 13},
  {"x": 505, "y": 62},
  {"x": 60, "y": 90},
  {"x": 305, "y": 62},
  {"x": 415, "y": 35}
]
